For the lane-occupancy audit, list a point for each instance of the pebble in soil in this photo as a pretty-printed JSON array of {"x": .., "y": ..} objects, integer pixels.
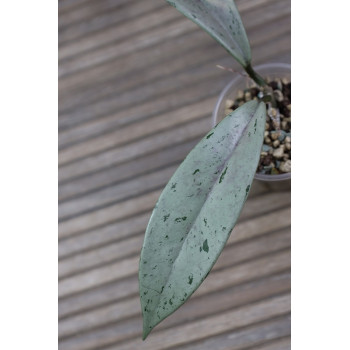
[{"x": 275, "y": 156}]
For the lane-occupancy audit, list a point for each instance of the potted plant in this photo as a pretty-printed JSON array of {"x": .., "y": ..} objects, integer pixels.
[{"x": 201, "y": 203}]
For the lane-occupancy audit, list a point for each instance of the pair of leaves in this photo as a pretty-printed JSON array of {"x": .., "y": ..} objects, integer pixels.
[{"x": 197, "y": 211}]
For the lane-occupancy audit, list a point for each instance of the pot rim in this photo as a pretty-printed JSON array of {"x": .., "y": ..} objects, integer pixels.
[{"x": 261, "y": 177}]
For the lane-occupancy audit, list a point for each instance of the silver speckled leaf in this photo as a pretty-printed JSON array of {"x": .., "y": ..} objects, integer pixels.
[
  {"x": 221, "y": 20},
  {"x": 196, "y": 212}
]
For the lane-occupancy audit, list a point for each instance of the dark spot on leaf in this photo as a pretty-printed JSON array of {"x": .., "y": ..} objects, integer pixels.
[
  {"x": 170, "y": 302},
  {"x": 181, "y": 219},
  {"x": 190, "y": 279},
  {"x": 205, "y": 221},
  {"x": 205, "y": 246},
  {"x": 173, "y": 185},
  {"x": 222, "y": 175},
  {"x": 195, "y": 172},
  {"x": 210, "y": 135},
  {"x": 165, "y": 217},
  {"x": 247, "y": 190}
]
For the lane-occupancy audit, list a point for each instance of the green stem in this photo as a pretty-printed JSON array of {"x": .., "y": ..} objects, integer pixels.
[
  {"x": 255, "y": 76},
  {"x": 260, "y": 81}
]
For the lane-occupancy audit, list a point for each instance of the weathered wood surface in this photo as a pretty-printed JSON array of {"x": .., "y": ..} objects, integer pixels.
[{"x": 137, "y": 85}]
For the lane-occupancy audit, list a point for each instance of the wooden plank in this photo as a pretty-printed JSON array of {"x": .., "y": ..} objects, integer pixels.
[
  {"x": 138, "y": 77},
  {"x": 68, "y": 5},
  {"x": 145, "y": 146},
  {"x": 148, "y": 39},
  {"x": 254, "y": 208},
  {"x": 98, "y": 76},
  {"x": 280, "y": 344},
  {"x": 232, "y": 319},
  {"x": 251, "y": 336},
  {"x": 114, "y": 194},
  {"x": 174, "y": 154},
  {"x": 142, "y": 93},
  {"x": 130, "y": 328},
  {"x": 160, "y": 17},
  {"x": 107, "y": 215},
  {"x": 121, "y": 11},
  {"x": 103, "y": 236},
  {"x": 90, "y": 9},
  {"x": 119, "y": 270},
  {"x": 160, "y": 105},
  {"x": 244, "y": 251},
  {"x": 198, "y": 307},
  {"x": 136, "y": 131},
  {"x": 125, "y": 288}
]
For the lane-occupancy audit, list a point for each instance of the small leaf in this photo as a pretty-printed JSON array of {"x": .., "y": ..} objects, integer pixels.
[
  {"x": 189, "y": 228},
  {"x": 221, "y": 20}
]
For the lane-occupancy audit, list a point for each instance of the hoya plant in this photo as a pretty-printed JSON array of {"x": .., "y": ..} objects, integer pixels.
[{"x": 201, "y": 203}]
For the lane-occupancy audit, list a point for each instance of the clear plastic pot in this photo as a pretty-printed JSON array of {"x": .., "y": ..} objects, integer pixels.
[{"x": 271, "y": 70}]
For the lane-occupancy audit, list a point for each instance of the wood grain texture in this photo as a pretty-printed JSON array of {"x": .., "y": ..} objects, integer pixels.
[{"x": 137, "y": 86}]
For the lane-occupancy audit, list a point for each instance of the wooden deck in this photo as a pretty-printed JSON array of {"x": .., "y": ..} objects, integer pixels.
[{"x": 137, "y": 86}]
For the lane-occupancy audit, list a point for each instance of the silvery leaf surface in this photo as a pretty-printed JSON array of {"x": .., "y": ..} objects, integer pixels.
[
  {"x": 220, "y": 19},
  {"x": 197, "y": 211}
]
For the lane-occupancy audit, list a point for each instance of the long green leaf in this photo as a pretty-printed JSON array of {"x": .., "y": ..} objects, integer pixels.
[
  {"x": 196, "y": 212},
  {"x": 221, "y": 19}
]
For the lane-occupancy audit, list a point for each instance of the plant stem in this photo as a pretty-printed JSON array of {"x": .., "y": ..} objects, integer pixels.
[
  {"x": 260, "y": 81},
  {"x": 255, "y": 76}
]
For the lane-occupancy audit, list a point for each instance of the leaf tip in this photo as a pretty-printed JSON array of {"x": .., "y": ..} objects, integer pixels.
[{"x": 146, "y": 331}]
